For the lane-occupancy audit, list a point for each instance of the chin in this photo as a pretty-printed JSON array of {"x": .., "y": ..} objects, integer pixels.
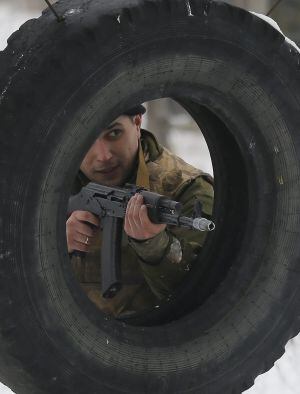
[{"x": 108, "y": 182}]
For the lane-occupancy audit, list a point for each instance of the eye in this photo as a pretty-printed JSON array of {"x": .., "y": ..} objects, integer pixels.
[{"x": 114, "y": 134}]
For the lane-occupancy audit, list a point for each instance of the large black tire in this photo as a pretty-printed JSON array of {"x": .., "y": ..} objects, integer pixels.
[{"x": 59, "y": 83}]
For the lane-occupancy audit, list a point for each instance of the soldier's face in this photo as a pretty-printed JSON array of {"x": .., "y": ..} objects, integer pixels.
[{"x": 111, "y": 158}]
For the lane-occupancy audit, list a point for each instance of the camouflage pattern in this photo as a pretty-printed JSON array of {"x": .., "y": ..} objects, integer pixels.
[{"x": 151, "y": 269}]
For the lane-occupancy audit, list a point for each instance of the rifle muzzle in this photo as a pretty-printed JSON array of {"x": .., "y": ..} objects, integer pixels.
[{"x": 203, "y": 224}]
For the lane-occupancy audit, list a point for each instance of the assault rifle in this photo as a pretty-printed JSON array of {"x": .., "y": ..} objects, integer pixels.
[{"x": 109, "y": 204}]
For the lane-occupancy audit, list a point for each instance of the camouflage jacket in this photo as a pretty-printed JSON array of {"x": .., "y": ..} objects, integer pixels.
[{"x": 151, "y": 269}]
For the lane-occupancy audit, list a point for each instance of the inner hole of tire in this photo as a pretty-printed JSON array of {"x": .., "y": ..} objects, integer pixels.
[{"x": 148, "y": 296}]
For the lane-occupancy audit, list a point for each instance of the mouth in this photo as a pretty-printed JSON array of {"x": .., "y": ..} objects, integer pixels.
[{"x": 108, "y": 170}]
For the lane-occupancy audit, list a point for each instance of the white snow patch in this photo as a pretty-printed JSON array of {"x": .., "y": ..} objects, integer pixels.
[
  {"x": 192, "y": 148},
  {"x": 73, "y": 11},
  {"x": 189, "y": 8},
  {"x": 284, "y": 377},
  {"x": 276, "y": 26},
  {"x": 11, "y": 19}
]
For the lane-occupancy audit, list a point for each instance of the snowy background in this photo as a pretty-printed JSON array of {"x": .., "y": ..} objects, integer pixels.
[{"x": 284, "y": 377}]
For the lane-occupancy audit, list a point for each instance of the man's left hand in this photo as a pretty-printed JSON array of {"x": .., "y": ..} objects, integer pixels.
[{"x": 137, "y": 224}]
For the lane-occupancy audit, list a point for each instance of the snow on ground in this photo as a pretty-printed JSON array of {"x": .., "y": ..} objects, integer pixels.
[{"x": 284, "y": 377}]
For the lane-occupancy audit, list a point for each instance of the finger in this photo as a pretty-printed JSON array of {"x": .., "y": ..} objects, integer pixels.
[
  {"x": 87, "y": 217},
  {"x": 136, "y": 207},
  {"x": 74, "y": 227},
  {"x": 83, "y": 239},
  {"x": 78, "y": 233},
  {"x": 144, "y": 218},
  {"x": 80, "y": 246},
  {"x": 128, "y": 218},
  {"x": 146, "y": 223},
  {"x": 84, "y": 229},
  {"x": 127, "y": 227}
]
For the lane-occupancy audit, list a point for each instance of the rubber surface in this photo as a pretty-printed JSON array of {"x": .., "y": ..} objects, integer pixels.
[{"x": 60, "y": 83}]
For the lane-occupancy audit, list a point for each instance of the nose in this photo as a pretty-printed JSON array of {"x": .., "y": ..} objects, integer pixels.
[{"x": 102, "y": 150}]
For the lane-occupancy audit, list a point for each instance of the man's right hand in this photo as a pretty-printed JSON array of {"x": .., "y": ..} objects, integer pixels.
[{"x": 81, "y": 228}]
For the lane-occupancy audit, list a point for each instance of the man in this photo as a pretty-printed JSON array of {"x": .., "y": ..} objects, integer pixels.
[{"x": 155, "y": 258}]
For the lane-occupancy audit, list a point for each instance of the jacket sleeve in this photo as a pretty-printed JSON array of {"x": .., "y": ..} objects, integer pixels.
[{"x": 166, "y": 258}]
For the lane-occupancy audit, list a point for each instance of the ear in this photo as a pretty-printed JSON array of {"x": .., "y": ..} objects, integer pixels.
[
  {"x": 138, "y": 120},
  {"x": 138, "y": 123}
]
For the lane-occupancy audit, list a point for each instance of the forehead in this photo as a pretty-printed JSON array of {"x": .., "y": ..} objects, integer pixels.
[{"x": 120, "y": 121}]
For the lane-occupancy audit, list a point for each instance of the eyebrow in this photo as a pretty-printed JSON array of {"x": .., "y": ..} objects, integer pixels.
[{"x": 114, "y": 125}]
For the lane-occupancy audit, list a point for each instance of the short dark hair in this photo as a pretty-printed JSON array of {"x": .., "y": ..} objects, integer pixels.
[
  {"x": 137, "y": 110},
  {"x": 131, "y": 117}
]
